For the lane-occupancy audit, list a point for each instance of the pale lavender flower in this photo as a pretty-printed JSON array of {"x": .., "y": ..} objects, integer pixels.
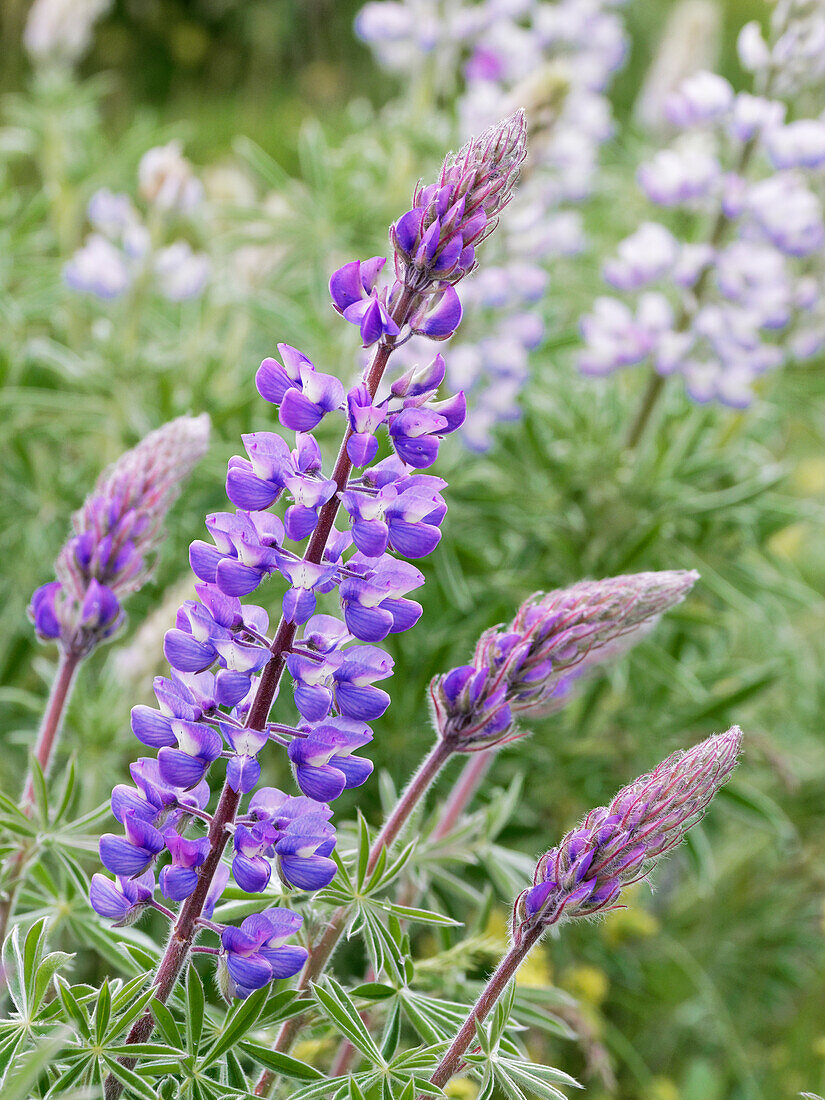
[
  {"x": 733, "y": 299},
  {"x": 166, "y": 179},
  {"x": 61, "y": 30},
  {"x": 619, "y": 844},
  {"x": 518, "y": 669},
  {"x": 114, "y": 536}
]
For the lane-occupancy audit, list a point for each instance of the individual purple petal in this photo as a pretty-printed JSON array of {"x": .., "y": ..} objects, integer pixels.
[
  {"x": 242, "y": 773},
  {"x": 151, "y": 727},
  {"x": 441, "y": 322},
  {"x": 251, "y": 874}
]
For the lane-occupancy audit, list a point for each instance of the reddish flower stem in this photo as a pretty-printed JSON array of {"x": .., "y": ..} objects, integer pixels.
[
  {"x": 321, "y": 952},
  {"x": 506, "y": 969}
]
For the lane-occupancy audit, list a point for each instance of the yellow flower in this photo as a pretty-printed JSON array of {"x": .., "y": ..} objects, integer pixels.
[
  {"x": 809, "y": 476},
  {"x": 630, "y": 923},
  {"x": 662, "y": 1088},
  {"x": 587, "y": 983},
  {"x": 788, "y": 542},
  {"x": 309, "y": 1049},
  {"x": 462, "y": 1088}
]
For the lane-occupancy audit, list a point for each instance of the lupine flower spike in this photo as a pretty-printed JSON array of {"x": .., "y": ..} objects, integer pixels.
[
  {"x": 614, "y": 846},
  {"x": 108, "y": 556},
  {"x": 225, "y": 666},
  {"x": 531, "y": 665},
  {"x": 115, "y": 534}
]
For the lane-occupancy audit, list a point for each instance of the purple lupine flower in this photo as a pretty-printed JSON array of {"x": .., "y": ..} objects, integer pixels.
[
  {"x": 303, "y": 394},
  {"x": 209, "y": 708},
  {"x": 179, "y": 878},
  {"x": 619, "y": 844},
  {"x": 518, "y": 669},
  {"x": 114, "y": 535},
  {"x": 122, "y": 900},
  {"x": 436, "y": 241},
  {"x": 731, "y": 308},
  {"x": 257, "y": 953}
]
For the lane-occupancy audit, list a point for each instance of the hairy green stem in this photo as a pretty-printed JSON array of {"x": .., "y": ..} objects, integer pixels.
[{"x": 47, "y": 738}]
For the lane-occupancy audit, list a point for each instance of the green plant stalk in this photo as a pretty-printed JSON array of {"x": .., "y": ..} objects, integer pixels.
[{"x": 47, "y": 738}]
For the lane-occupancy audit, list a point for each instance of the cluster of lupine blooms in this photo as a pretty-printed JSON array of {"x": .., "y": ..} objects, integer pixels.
[
  {"x": 125, "y": 247},
  {"x": 219, "y": 647},
  {"x": 570, "y": 50},
  {"x": 616, "y": 845},
  {"x": 115, "y": 533},
  {"x": 724, "y": 309},
  {"x": 530, "y": 666}
]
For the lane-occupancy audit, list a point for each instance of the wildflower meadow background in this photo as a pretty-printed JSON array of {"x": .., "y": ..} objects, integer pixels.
[{"x": 602, "y": 323}]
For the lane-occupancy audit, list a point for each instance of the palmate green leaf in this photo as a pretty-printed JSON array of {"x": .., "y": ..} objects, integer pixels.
[
  {"x": 435, "y": 1020},
  {"x": 103, "y": 1010},
  {"x": 19, "y": 1083},
  {"x": 133, "y": 1081},
  {"x": 340, "y": 1010},
  {"x": 419, "y": 916},
  {"x": 392, "y": 1033},
  {"x": 68, "y": 790},
  {"x": 11, "y": 1040},
  {"x": 284, "y": 1064},
  {"x": 41, "y": 797},
  {"x": 235, "y": 1075},
  {"x": 238, "y": 1022},
  {"x": 72, "y": 1007},
  {"x": 166, "y": 1023}
]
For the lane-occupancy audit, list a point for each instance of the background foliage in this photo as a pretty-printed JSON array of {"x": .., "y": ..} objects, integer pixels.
[{"x": 712, "y": 986}]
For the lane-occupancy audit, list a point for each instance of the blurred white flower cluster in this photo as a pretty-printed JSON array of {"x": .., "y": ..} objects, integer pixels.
[
  {"x": 125, "y": 246},
  {"x": 556, "y": 59},
  {"x": 60, "y": 31}
]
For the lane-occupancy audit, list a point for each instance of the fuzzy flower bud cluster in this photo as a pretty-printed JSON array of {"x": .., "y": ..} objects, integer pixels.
[
  {"x": 342, "y": 592},
  {"x": 556, "y": 60},
  {"x": 619, "y": 844},
  {"x": 122, "y": 249},
  {"x": 114, "y": 536},
  {"x": 527, "y": 667},
  {"x": 724, "y": 310}
]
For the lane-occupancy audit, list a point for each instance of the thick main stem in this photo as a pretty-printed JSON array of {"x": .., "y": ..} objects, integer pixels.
[
  {"x": 47, "y": 739},
  {"x": 506, "y": 969},
  {"x": 321, "y": 952},
  {"x": 186, "y": 927}
]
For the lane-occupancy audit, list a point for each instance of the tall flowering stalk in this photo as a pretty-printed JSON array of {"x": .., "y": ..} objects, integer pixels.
[
  {"x": 525, "y": 668},
  {"x": 226, "y": 669},
  {"x": 108, "y": 556},
  {"x": 729, "y": 307},
  {"x": 613, "y": 847}
]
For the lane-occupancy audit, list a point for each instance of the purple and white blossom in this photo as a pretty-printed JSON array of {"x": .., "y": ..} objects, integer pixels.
[
  {"x": 481, "y": 53},
  {"x": 122, "y": 250},
  {"x": 728, "y": 309},
  {"x": 220, "y": 649}
]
